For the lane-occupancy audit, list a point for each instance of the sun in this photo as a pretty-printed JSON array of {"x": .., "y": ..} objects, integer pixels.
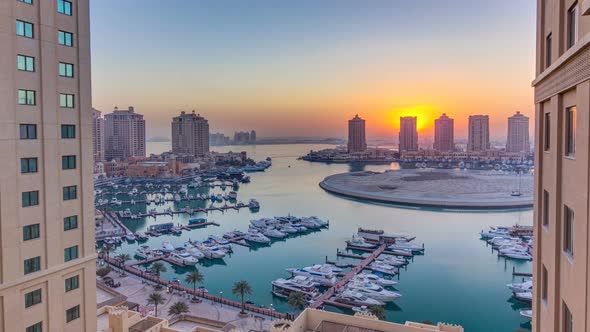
[{"x": 425, "y": 114}]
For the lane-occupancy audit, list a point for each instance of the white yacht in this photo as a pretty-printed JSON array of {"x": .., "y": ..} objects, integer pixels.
[
  {"x": 414, "y": 247},
  {"x": 383, "y": 268},
  {"x": 524, "y": 296},
  {"x": 526, "y": 286},
  {"x": 309, "y": 223},
  {"x": 287, "y": 229},
  {"x": 301, "y": 284},
  {"x": 183, "y": 258},
  {"x": 391, "y": 260},
  {"x": 369, "y": 277},
  {"x": 195, "y": 252},
  {"x": 252, "y": 236},
  {"x": 519, "y": 255},
  {"x": 360, "y": 242},
  {"x": 323, "y": 275},
  {"x": 212, "y": 252},
  {"x": 373, "y": 291},
  {"x": 140, "y": 236},
  {"x": 354, "y": 298},
  {"x": 167, "y": 246},
  {"x": 143, "y": 252},
  {"x": 527, "y": 313},
  {"x": 318, "y": 221},
  {"x": 130, "y": 237},
  {"x": 273, "y": 233}
]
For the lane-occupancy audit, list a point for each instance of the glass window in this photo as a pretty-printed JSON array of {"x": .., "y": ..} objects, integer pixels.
[
  {"x": 68, "y": 162},
  {"x": 72, "y": 313},
  {"x": 545, "y": 285},
  {"x": 28, "y": 131},
  {"x": 32, "y": 298},
  {"x": 70, "y": 222},
  {"x": 26, "y": 97},
  {"x": 568, "y": 231},
  {"x": 70, "y": 253},
  {"x": 66, "y": 69},
  {"x": 30, "y": 198},
  {"x": 547, "y": 132},
  {"x": 35, "y": 328},
  {"x": 65, "y": 38},
  {"x": 28, "y": 165},
  {"x": 545, "y": 214},
  {"x": 24, "y": 29},
  {"x": 568, "y": 319},
  {"x": 32, "y": 264},
  {"x": 572, "y": 25},
  {"x": 31, "y": 232},
  {"x": 68, "y": 131},
  {"x": 30, "y": 2},
  {"x": 72, "y": 283},
  {"x": 69, "y": 193},
  {"x": 25, "y": 63},
  {"x": 64, "y": 7},
  {"x": 548, "y": 51},
  {"x": 570, "y": 131},
  {"x": 66, "y": 100}
]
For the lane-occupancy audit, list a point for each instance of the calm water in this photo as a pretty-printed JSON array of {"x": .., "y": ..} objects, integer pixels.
[{"x": 458, "y": 280}]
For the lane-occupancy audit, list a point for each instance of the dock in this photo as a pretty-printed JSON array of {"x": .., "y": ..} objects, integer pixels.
[
  {"x": 520, "y": 274},
  {"x": 387, "y": 252}
]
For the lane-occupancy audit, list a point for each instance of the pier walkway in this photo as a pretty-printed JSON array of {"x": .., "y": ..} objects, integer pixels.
[{"x": 342, "y": 282}]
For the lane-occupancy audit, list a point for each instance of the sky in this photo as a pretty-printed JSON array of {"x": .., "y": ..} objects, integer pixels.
[{"x": 303, "y": 68}]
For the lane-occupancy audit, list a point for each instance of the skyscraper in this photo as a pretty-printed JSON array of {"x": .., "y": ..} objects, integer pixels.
[
  {"x": 124, "y": 134},
  {"x": 444, "y": 134},
  {"x": 190, "y": 134},
  {"x": 97, "y": 135},
  {"x": 479, "y": 133},
  {"x": 408, "y": 134},
  {"x": 356, "y": 135},
  {"x": 253, "y": 137},
  {"x": 518, "y": 133},
  {"x": 47, "y": 249},
  {"x": 562, "y": 169}
]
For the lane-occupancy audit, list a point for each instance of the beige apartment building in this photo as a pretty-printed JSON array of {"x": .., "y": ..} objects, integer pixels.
[
  {"x": 408, "y": 134},
  {"x": 478, "y": 138},
  {"x": 356, "y": 135},
  {"x": 97, "y": 135},
  {"x": 190, "y": 134},
  {"x": 444, "y": 135},
  {"x": 562, "y": 119},
  {"x": 47, "y": 255},
  {"x": 124, "y": 134},
  {"x": 518, "y": 133}
]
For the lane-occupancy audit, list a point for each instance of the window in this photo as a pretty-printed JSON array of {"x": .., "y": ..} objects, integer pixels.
[
  {"x": 68, "y": 131},
  {"x": 69, "y": 193},
  {"x": 68, "y": 162},
  {"x": 70, "y": 222},
  {"x": 65, "y": 38},
  {"x": 548, "y": 51},
  {"x": 31, "y": 232},
  {"x": 64, "y": 7},
  {"x": 30, "y": 198},
  {"x": 547, "y": 132},
  {"x": 570, "y": 131},
  {"x": 545, "y": 208},
  {"x": 28, "y": 165},
  {"x": 72, "y": 283},
  {"x": 545, "y": 285},
  {"x": 72, "y": 313},
  {"x": 35, "y": 328},
  {"x": 70, "y": 253},
  {"x": 568, "y": 231},
  {"x": 32, "y": 264},
  {"x": 572, "y": 25},
  {"x": 28, "y": 131},
  {"x": 32, "y": 298},
  {"x": 66, "y": 100},
  {"x": 568, "y": 319},
  {"x": 25, "y": 63},
  {"x": 26, "y": 97},
  {"x": 24, "y": 29},
  {"x": 66, "y": 69},
  {"x": 30, "y": 2}
]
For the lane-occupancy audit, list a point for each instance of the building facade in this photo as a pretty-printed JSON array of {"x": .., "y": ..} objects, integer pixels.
[
  {"x": 444, "y": 134},
  {"x": 356, "y": 135},
  {"x": 190, "y": 134},
  {"x": 97, "y": 135},
  {"x": 47, "y": 253},
  {"x": 408, "y": 134},
  {"x": 124, "y": 135},
  {"x": 562, "y": 120},
  {"x": 479, "y": 133},
  {"x": 518, "y": 133}
]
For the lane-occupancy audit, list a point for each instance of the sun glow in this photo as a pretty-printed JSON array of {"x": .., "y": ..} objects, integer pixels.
[{"x": 426, "y": 115}]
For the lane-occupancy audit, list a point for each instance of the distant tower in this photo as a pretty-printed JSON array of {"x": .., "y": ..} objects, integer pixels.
[
  {"x": 408, "y": 134},
  {"x": 190, "y": 134},
  {"x": 356, "y": 135},
  {"x": 479, "y": 133},
  {"x": 253, "y": 137},
  {"x": 518, "y": 133},
  {"x": 97, "y": 135},
  {"x": 444, "y": 134},
  {"x": 124, "y": 134}
]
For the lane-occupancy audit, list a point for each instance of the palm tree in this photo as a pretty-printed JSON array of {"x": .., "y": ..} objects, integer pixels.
[
  {"x": 107, "y": 249},
  {"x": 242, "y": 287},
  {"x": 297, "y": 301},
  {"x": 377, "y": 311},
  {"x": 178, "y": 308},
  {"x": 157, "y": 268},
  {"x": 156, "y": 299},
  {"x": 194, "y": 277},
  {"x": 123, "y": 258}
]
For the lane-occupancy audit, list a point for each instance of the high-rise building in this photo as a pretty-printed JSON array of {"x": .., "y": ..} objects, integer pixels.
[
  {"x": 561, "y": 270},
  {"x": 518, "y": 133},
  {"x": 356, "y": 135},
  {"x": 124, "y": 135},
  {"x": 47, "y": 249},
  {"x": 444, "y": 134},
  {"x": 190, "y": 134},
  {"x": 479, "y": 133},
  {"x": 408, "y": 134},
  {"x": 241, "y": 137},
  {"x": 253, "y": 137},
  {"x": 97, "y": 135}
]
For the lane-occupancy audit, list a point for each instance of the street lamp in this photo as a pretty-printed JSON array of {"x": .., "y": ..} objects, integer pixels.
[
  {"x": 272, "y": 309},
  {"x": 221, "y": 298}
]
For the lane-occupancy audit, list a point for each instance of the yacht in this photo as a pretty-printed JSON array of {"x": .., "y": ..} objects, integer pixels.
[
  {"x": 527, "y": 313},
  {"x": 140, "y": 236},
  {"x": 301, "y": 284},
  {"x": 383, "y": 268},
  {"x": 195, "y": 252},
  {"x": 130, "y": 237},
  {"x": 273, "y": 233},
  {"x": 516, "y": 254},
  {"x": 287, "y": 229},
  {"x": 167, "y": 247},
  {"x": 360, "y": 242},
  {"x": 256, "y": 237},
  {"x": 407, "y": 246},
  {"x": 212, "y": 252},
  {"x": 143, "y": 252},
  {"x": 524, "y": 296},
  {"x": 369, "y": 277},
  {"x": 309, "y": 223},
  {"x": 253, "y": 204},
  {"x": 526, "y": 286},
  {"x": 354, "y": 298},
  {"x": 184, "y": 258},
  {"x": 373, "y": 291},
  {"x": 323, "y": 275},
  {"x": 391, "y": 260},
  {"x": 318, "y": 221}
]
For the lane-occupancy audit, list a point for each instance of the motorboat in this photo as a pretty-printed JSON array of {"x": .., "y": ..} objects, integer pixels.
[
  {"x": 184, "y": 258},
  {"x": 232, "y": 195},
  {"x": 494, "y": 232},
  {"x": 257, "y": 237},
  {"x": 212, "y": 252},
  {"x": 407, "y": 246},
  {"x": 316, "y": 220},
  {"x": 528, "y": 313},
  {"x": 383, "y": 268},
  {"x": 517, "y": 255},
  {"x": 167, "y": 247},
  {"x": 301, "y": 284},
  {"x": 287, "y": 229},
  {"x": 524, "y": 296},
  {"x": 309, "y": 223},
  {"x": 273, "y": 233},
  {"x": 360, "y": 242},
  {"x": 130, "y": 237},
  {"x": 323, "y": 275},
  {"x": 357, "y": 299},
  {"x": 140, "y": 236},
  {"x": 195, "y": 252},
  {"x": 391, "y": 260},
  {"x": 369, "y": 277},
  {"x": 526, "y": 286},
  {"x": 373, "y": 291},
  {"x": 143, "y": 252},
  {"x": 253, "y": 205}
]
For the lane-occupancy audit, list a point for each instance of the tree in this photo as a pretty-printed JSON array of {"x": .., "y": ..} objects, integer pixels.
[
  {"x": 103, "y": 272},
  {"x": 297, "y": 301},
  {"x": 242, "y": 288},
  {"x": 156, "y": 299},
  {"x": 157, "y": 268},
  {"x": 377, "y": 311},
  {"x": 194, "y": 277},
  {"x": 123, "y": 258},
  {"x": 178, "y": 308},
  {"x": 107, "y": 249}
]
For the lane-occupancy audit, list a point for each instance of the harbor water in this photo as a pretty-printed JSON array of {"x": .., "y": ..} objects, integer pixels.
[{"x": 458, "y": 280}]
